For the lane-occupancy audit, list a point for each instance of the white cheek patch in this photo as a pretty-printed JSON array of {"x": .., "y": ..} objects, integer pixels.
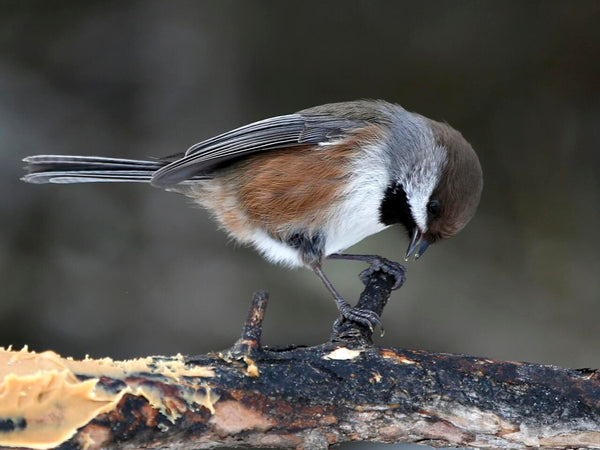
[
  {"x": 421, "y": 181},
  {"x": 419, "y": 212}
]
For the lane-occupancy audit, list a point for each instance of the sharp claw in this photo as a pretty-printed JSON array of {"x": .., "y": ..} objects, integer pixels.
[
  {"x": 390, "y": 267},
  {"x": 364, "y": 317}
]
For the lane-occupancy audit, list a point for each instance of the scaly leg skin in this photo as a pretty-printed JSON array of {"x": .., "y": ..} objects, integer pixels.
[
  {"x": 363, "y": 316},
  {"x": 376, "y": 263}
]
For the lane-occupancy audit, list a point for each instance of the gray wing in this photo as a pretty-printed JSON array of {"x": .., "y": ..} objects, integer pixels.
[{"x": 269, "y": 134}]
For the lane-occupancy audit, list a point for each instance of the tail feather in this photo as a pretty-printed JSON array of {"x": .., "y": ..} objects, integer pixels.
[{"x": 89, "y": 169}]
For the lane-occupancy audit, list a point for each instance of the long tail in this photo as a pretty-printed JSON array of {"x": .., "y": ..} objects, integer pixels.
[
  {"x": 94, "y": 169},
  {"x": 87, "y": 169}
]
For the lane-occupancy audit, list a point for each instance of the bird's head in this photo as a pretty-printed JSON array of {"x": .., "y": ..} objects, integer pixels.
[{"x": 436, "y": 193}]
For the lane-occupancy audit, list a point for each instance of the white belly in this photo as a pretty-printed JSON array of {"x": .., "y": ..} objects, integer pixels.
[{"x": 351, "y": 220}]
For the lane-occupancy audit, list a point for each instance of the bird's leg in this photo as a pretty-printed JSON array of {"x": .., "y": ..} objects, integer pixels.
[
  {"x": 362, "y": 316},
  {"x": 375, "y": 263}
]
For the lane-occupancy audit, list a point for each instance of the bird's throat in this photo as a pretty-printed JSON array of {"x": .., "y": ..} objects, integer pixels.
[{"x": 395, "y": 208}]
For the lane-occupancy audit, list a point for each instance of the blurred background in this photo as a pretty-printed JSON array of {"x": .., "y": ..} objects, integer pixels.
[{"x": 128, "y": 270}]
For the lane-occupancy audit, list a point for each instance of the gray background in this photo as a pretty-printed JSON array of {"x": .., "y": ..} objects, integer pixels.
[{"x": 128, "y": 270}]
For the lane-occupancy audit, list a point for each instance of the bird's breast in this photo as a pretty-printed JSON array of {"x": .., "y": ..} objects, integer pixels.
[{"x": 332, "y": 191}]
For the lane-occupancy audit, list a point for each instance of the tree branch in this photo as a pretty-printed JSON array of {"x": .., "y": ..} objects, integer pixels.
[{"x": 312, "y": 397}]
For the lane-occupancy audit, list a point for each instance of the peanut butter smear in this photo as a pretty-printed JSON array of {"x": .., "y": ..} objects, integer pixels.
[{"x": 45, "y": 398}]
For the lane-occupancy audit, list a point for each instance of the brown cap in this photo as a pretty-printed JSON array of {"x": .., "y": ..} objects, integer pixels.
[{"x": 459, "y": 188}]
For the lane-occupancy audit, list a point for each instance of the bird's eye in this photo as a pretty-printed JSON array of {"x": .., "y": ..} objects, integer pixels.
[{"x": 433, "y": 208}]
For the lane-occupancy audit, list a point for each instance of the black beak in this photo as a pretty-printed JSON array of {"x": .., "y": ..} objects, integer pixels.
[
  {"x": 414, "y": 242},
  {"x": 417, "y": 245},
  {"x": 422, "y": 248}
]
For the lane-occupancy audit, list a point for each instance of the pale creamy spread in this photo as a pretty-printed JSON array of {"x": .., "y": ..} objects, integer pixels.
[{"x": 45, "y": 398}]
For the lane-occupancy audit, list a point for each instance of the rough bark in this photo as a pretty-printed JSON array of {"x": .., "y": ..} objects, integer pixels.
[{"x": 348, "y": 390}]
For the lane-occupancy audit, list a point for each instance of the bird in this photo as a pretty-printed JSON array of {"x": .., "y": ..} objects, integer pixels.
[{"x": 304, "y": 187}]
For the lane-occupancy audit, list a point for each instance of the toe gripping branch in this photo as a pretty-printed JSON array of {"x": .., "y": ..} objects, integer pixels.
[{"x": 380, "y": 279}]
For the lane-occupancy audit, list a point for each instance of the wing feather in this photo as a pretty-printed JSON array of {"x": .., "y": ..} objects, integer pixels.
[{"x": 269, "y": 134}]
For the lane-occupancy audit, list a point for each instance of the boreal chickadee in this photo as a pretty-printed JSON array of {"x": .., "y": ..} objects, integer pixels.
[{"x": 303, "y": 187}]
